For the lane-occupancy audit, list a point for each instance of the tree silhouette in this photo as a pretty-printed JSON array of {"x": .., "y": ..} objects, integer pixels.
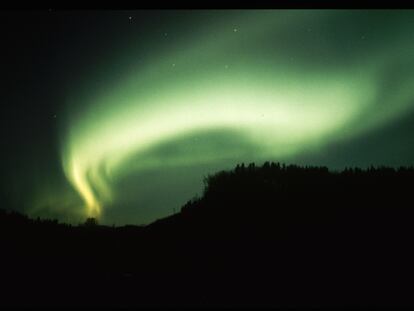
[{"x": 91, "y": 222}]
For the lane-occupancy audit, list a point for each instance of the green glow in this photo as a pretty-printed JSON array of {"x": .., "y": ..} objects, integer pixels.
[{"x": 216, "y": 79}]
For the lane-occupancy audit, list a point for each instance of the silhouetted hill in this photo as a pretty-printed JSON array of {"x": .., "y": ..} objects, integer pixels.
[{"x": 273, "y": 235}]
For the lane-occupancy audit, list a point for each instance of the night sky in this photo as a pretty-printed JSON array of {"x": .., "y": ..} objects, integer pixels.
[{"x": 120, "y": 114}]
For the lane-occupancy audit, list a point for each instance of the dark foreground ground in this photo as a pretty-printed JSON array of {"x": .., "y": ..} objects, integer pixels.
[{"x": 260, "y": 236}]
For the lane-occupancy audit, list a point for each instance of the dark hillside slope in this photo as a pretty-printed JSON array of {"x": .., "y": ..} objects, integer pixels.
[{"x": 273, "y": 235}]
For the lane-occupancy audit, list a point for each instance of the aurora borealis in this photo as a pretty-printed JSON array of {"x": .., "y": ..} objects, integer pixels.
[{"x": 149, "y": 102}]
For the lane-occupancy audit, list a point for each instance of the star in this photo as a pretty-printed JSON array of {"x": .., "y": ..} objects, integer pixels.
[
  {"x": 165, "y": 34},
  {"x": 235, "y": 29},
  {"x": 173, "y": 65},
  {"x": 226, "y": 66},
  {"x": 130, "y": 18}
]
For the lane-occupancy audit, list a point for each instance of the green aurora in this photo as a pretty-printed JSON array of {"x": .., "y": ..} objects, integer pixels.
[{"x": 209, "y": 89}]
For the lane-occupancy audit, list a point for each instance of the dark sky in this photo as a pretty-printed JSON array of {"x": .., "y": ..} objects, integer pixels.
[{"x": 120, "y": 114}]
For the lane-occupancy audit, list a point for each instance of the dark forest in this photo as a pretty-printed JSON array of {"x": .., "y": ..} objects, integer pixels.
[{"x": 270, "y": 235}]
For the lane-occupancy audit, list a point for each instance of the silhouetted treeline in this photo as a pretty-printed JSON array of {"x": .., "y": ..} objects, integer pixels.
[{"x": 270, "y": 235}]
